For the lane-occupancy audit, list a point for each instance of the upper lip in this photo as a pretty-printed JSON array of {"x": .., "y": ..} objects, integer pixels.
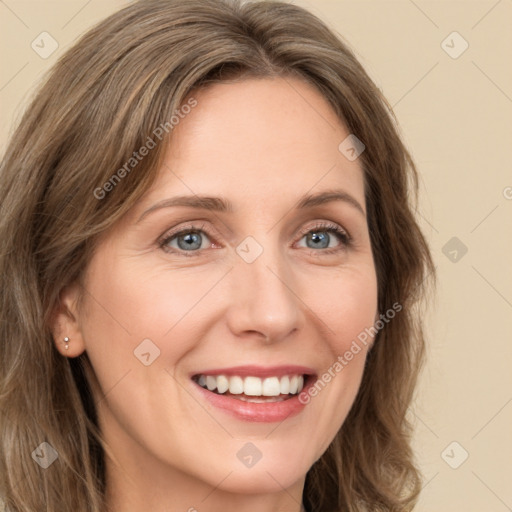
[{"x": 258, "y": 371}]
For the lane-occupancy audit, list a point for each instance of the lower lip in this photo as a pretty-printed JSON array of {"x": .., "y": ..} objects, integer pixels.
[{"x": 256, "y": 412}]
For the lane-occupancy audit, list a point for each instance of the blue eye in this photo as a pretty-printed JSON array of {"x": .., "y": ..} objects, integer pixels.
[
  {"x": 320, "y": 238},
  {"x": 192, "y": 239},
  {"x": 188, "y": 240}
]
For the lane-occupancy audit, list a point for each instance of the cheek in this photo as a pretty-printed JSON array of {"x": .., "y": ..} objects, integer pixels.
[
  {"x": 347, "y": 307},
  {"x": 346, "y": 303},
  {"x": 130, "y": 312},
  {"x": 352, "y": 322},
  {"x": 127, "y": 303}
]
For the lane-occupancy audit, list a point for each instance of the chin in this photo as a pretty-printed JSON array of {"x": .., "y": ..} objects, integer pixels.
[{"x": 264, "y": 479}]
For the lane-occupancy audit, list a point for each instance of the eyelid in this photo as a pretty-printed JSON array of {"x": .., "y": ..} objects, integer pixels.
[
  {"x": 182, "y": 229},
  {"x": 326, "y": 226},
  {"x": 192, "y": 226}
]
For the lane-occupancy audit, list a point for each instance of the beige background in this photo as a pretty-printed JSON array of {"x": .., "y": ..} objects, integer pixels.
[{"x": 456, "y": 117}]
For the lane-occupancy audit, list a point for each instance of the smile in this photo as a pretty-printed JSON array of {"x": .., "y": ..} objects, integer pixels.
[
  {"x": 255, "y": 393},
  {"x": 251, "y": 388}
]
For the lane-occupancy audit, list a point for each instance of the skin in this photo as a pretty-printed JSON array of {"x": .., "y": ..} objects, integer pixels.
[{"x": 262, "y": 144}]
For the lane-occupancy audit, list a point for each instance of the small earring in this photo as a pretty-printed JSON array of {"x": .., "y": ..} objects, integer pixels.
[{"x": 66, "y": 341}]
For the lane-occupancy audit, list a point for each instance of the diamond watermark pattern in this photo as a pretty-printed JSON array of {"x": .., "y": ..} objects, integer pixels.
[
  {"x": 44, "y": 45},
  {"x": 249, "y": 249},
  {"x": 454, "y": 455},
  {"x": 454, "y": 45},
  {"x": 351, "y": 147},
  {"x": 146, "y": 352},
  {"x": 454, "y": 249},
  {"x": 45, "y": 455},
  {"x": 249, "y": 455}
]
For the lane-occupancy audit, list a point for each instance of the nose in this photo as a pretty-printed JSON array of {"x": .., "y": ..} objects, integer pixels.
[{"x": 263, "y": 301}]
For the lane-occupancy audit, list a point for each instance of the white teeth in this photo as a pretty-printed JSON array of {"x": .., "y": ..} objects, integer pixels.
[
  {"x": 211, "y": 382},
  {"x": 222, "y": 383},
  {"x": 293, "y": 384},
  {"x": 236, "y": 385},
  {"x": 285, "y": 384},
  {"x": 271, "y": 387},
  {"x": 253, "y": 386}
]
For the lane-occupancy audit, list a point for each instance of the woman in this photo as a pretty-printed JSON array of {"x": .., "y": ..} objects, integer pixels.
[{"x": 210, "y": 266}]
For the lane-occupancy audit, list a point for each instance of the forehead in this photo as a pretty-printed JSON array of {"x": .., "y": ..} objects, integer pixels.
[{"x": 258, "y": 138}]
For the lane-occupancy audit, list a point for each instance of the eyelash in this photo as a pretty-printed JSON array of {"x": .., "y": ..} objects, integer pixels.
[{"x": 344, "y": 237}]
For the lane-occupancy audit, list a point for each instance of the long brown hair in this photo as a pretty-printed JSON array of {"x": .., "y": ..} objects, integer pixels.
[{"x": 99, "y": 104}]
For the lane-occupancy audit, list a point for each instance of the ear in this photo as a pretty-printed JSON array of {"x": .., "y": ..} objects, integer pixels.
[{"x": 65, "y": 323}]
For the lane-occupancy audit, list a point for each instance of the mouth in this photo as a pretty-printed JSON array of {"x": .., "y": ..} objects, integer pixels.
[
  {"x": 254, "y": 389},
  {"x": 255, "y": 393}
]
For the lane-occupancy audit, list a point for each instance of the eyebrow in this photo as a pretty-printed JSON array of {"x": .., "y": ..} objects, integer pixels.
[{"x": 219, "y": 204}]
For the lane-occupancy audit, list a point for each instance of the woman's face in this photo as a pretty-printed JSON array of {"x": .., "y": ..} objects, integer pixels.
[{"x": 244, "y": 291}]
